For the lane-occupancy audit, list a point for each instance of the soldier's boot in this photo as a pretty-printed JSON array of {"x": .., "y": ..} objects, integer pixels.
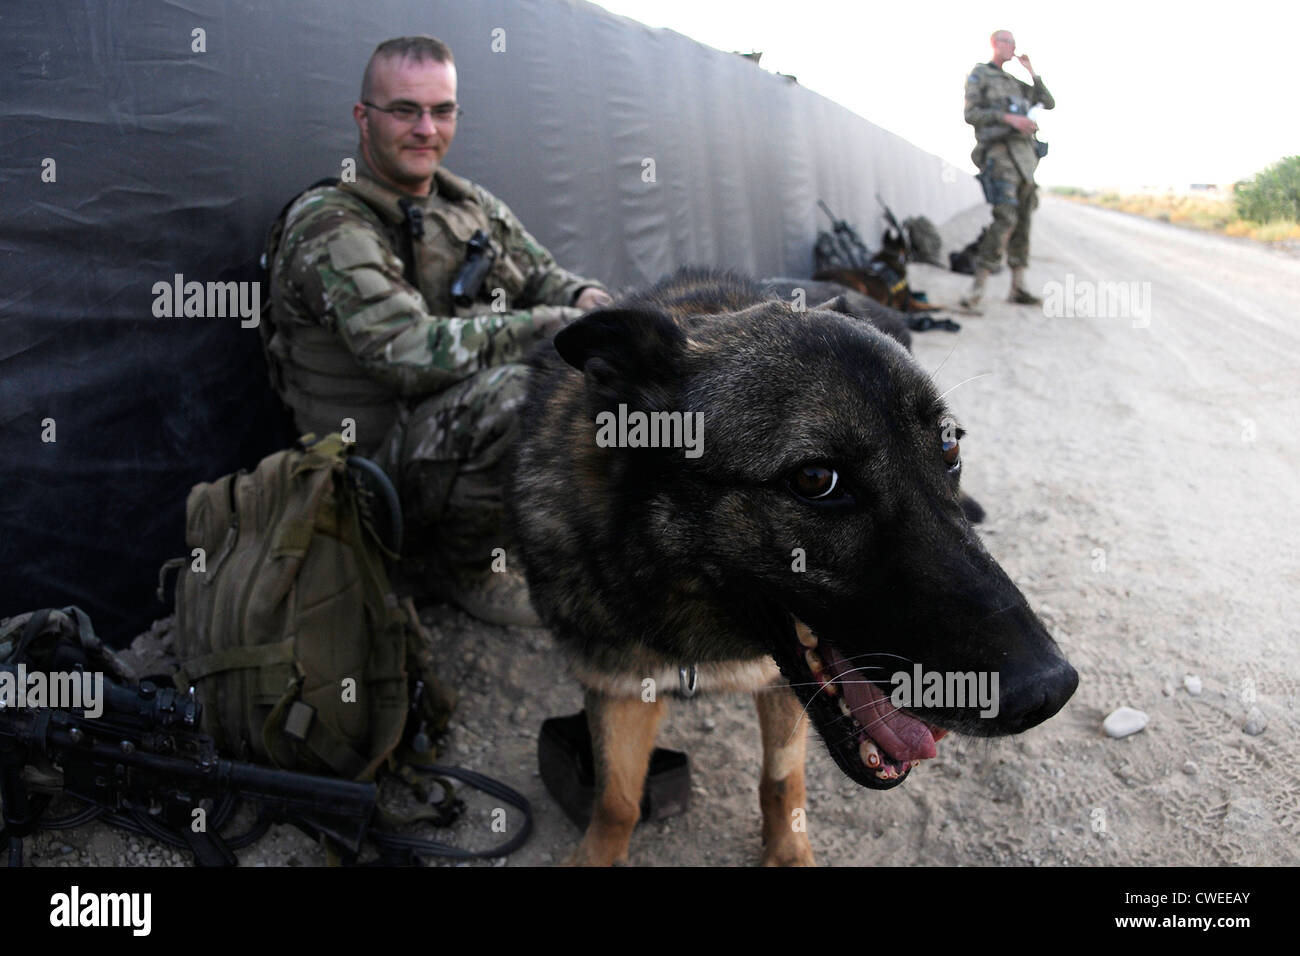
[
  {"x": 497, "y": 597},
  {"x": 971, "y": 300},
  {"x": 1019, "y": 294}
]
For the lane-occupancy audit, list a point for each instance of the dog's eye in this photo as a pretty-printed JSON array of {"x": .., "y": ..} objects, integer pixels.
[
  {"x": 949, "y": 439},
  {"x": 815, "y": 482}
]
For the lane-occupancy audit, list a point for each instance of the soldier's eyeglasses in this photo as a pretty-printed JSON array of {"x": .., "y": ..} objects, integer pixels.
[{"x": 410, "y": 113}]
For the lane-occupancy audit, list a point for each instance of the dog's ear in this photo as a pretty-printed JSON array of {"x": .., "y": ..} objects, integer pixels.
[
  {"x": 838, "y": 304},
  {"x": 623, "y": 352}
]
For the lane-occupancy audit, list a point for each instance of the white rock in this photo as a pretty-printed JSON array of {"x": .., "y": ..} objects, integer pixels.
[
  {"x": 1168, "y": 689},
  {"x": 1190, "y": 768},
  {"x": 1255, "y": 722},
  {"x": 1124, "y": 721},
  {"x": 1192, "y": 684}
]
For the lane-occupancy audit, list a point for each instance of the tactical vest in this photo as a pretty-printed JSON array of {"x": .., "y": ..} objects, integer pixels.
[
  {"x": 311, "y": 368},
  {"x": 1000, "y": 90}
]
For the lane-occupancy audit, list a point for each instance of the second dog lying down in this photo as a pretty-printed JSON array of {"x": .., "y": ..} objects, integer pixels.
[{"x": 813, "y": 546}]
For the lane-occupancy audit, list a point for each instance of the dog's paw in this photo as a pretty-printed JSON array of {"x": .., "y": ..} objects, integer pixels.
[
  {"x": 586, "y": 854},
  {"x": 795, "y": 851}
]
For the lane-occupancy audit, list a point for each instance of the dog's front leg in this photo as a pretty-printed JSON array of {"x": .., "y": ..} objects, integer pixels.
[
  {"x": 781, "y": 791},
  {"x": 623, "y": 731}
]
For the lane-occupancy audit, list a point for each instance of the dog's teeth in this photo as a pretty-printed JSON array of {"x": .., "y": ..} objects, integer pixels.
[
  {"x": 814, "y": 662},
  {"x": 844, "y": 706},
  {"x": 806, "y": 637},
  {"x": 831, "y": 688},
  {"x": 869, "y": 754}
]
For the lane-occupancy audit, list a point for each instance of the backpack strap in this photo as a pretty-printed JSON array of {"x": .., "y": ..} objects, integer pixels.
[
  {"x": 235, "y": 658},
  {"x": 273, "y": 235}
]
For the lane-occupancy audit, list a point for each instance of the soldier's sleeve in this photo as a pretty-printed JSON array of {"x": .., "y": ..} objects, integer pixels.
[
  {"x": 1038, "y": 94},
  {"x": 977, "y": 113},
  {"x": 546, "y": 282},
  {"x": 349, "y": 279}
]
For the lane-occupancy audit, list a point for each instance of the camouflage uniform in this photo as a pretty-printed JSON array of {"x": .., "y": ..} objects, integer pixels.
[
  {"x": 433, "y": 388},
  {"x": 1006, "y": 158}
]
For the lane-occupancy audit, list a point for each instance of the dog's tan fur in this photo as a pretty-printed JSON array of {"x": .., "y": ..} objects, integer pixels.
[{"x": 623, "y": 730}]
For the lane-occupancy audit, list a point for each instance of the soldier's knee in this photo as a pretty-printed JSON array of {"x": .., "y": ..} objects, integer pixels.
[
  {"x": 1005, "y": 216},
  {"x": 495, "y": 402}
]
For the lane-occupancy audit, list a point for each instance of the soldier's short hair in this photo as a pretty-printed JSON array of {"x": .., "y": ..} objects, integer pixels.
[
  {"x": 993, "y": 37},
  {"x": 418, "y": 48}
]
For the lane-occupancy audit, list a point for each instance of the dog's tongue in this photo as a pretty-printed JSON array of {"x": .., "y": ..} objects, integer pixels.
[{"x": 896, "y": 732}]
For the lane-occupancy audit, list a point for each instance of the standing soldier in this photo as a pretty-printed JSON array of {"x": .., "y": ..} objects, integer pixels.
[
  {"x": 1006, "y": 153},
  {"x": 402, "y": 307}
]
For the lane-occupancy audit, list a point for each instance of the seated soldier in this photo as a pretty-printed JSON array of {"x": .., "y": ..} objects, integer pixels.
[{"x": 366, "y": 337}]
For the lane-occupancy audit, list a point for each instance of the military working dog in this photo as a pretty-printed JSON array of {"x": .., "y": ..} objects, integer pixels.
[{"x": 810, "y": 545}]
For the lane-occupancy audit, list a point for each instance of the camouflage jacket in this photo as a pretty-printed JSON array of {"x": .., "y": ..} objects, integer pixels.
[
  {"x": 348, "y": 336},
  {"x": 992, "y": 92}
]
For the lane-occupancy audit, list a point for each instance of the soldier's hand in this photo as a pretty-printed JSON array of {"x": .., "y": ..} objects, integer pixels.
[
  {"x": 1020, "y": 123},
  {"x": 1024, "y": 61},
  {"x": 592, "y": 298}
]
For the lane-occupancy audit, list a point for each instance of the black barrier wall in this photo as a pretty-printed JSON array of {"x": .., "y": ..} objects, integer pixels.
[{"x": 146, "y": 140}]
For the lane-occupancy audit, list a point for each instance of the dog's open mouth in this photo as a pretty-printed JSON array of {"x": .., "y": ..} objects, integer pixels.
[{"x": 873, "y": 741}]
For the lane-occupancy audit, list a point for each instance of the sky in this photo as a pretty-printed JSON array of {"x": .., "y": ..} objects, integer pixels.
[{"x": 1147, "y": 93}]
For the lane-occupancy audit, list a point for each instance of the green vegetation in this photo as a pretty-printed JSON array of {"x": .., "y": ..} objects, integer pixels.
[
  {"x": 1266, "y": 208},
  {"x": 1273, "y": 196}
]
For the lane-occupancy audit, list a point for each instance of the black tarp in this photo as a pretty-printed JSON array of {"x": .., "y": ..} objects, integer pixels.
[{"x": 167, "y": 160}]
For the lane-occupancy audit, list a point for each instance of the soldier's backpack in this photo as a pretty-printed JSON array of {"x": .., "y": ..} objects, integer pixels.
[
  {"x": 286, "y": 624},
  {"x": 923, "y": 241}
]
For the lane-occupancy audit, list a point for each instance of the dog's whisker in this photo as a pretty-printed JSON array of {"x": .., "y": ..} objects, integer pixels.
[
  {"x": 821, "y": 686},
  {"x": 843, "y": 717},
  {"x": 906, "y": 660},
  {"x": 839, "y": 681},
  {"x": 963, "y": 382},
  {"x": 854, "y": 670},
  {"x": 1001, "y": 610},
  {"x": 944, "y": 362},
  {"x": 803, "y": 713}
]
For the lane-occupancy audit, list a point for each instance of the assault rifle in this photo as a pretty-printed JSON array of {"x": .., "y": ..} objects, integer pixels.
[
  {"x": 893, "y": 222},
  {"x": 143, "y": 765},
  {"x": 842, "y": 247}
]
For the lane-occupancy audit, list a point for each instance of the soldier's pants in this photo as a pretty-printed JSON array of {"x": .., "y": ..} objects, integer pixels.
[
  {"x": 450, "y": 467},
  {"x": 1014, "y": 204}
]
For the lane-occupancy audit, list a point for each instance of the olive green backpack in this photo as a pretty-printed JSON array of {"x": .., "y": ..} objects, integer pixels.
[{"x": 286, "y": 624}]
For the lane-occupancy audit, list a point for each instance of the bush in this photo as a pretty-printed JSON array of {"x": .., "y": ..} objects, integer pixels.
[
  {"x": 1274, "y": 231},
  {"x": 1274, "y": 194}
]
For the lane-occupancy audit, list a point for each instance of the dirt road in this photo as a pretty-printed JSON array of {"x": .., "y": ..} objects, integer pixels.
[{"x": 1138, "y": 465}]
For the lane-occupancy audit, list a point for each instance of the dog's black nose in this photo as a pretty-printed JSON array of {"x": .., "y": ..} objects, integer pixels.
[{"x": 1031, "y": 701}]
